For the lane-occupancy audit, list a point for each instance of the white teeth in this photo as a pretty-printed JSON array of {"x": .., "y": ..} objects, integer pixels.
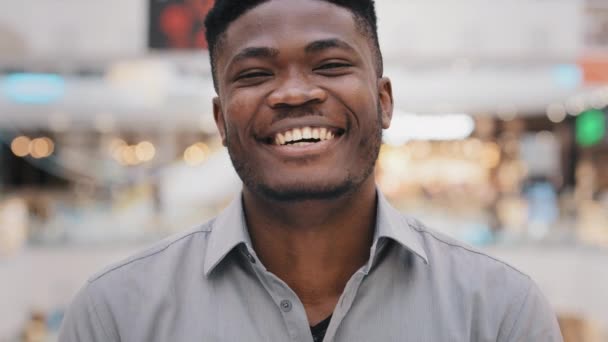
[
  {"x": 288, "y": 136},
  {"x": 280, "y": 139},
  {"x": 322, "y": 133},
  {"x": 307, "y": 133},
  {"x": 296, "y": 134}
]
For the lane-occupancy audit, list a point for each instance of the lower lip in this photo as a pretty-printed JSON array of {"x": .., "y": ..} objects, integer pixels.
[{"x": 293, "y": 151}]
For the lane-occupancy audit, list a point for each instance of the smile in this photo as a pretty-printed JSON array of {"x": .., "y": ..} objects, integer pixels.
[{"x": 304, "y": 136}]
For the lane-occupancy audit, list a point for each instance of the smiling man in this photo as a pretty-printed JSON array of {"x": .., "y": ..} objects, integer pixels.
[{"x": 311, "y": 250}]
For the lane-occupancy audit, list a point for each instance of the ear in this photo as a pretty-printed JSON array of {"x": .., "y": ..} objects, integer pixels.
[
  {"x": 218, "y": 115},
  {"x": 385, "y": 96}
]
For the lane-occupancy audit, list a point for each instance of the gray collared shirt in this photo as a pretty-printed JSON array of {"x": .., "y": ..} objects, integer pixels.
[{"x": 208, "y": 285}]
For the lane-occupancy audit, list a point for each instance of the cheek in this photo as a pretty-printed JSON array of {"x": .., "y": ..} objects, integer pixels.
[
  {"x": 359, "y": 96},
  {"x": 239, "y": 113}
]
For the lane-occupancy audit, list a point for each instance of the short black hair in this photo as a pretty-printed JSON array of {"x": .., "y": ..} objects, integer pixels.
[{"x": 224, "y": 12}]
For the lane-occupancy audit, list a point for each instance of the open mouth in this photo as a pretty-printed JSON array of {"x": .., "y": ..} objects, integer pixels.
[{"x": 304, "y": 136}]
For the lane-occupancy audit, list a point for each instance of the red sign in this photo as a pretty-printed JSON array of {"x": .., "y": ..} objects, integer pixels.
[
  {"x": 595, "y": 69},
  {"x": 178, "y": 24}
]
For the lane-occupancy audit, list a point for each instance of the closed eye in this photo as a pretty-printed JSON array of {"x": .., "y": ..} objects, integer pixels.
[
  {"x": 252, "y": 75},
  {"x": 334, "y": 65}
]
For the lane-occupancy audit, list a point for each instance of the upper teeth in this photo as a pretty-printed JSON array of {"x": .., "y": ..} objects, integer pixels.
[{"x": 297, "y": 134}]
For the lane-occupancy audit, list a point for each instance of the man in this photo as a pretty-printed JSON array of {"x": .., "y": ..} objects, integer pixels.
[{"x": 311, "y": 251}]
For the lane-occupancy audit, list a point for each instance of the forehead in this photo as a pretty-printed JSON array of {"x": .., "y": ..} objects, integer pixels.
[{"x": 291, "y": 23}]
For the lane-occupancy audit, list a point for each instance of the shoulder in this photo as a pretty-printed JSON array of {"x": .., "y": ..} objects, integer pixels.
[
  {"x": 172, "y": 250},
  {"x": 503, "y": 301},
  {"x": 465, "y": 263},
  {"x": 134, "y": 287}
]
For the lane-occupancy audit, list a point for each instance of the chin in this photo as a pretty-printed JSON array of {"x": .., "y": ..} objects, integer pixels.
[{"x": 305, "y": 192}]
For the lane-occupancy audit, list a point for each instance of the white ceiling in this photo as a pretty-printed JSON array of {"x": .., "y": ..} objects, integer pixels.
[
  {"x": 414, "y": 30},
  {"x": 513, "y": 31},
  {"x": 473, "y": 56}
]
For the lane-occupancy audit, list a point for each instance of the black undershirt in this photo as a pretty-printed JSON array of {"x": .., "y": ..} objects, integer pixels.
[{"x": 318, "y": 331}]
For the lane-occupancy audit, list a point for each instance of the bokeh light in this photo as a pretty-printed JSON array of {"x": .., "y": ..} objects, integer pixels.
[{"x": 20, "y": 146}]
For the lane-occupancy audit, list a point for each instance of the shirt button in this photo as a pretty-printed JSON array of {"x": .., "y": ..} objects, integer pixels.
[
  {"x": 286, "y": 305},
  {"x": 251, "y": 258}
]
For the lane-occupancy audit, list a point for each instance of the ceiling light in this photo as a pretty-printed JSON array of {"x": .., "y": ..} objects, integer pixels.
[
  {"x": 20, "y": 146},
  {"x": 556, "y": 113},
  {"x": 408, "y": 126}
]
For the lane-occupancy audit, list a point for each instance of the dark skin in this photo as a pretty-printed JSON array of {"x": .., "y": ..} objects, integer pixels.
[{"x": 292, "y": 63}]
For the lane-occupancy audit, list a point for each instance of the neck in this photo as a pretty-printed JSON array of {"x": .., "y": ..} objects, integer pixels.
[{"x": 314, "y": 246}]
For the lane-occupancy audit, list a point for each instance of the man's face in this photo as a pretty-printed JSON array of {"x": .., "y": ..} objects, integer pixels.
[{"x": 300, "y": 107}]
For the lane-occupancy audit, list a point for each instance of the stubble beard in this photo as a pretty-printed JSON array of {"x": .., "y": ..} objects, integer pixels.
[{"x": 253, "y": 181}]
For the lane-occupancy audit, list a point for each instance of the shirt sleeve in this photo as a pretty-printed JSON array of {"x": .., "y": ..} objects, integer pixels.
[
  {"x": 534, "y": 320},
  {"x": 82, "y": 321}
]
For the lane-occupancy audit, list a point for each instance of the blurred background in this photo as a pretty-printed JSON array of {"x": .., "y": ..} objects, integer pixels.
[{"x": 107, "y": 141}]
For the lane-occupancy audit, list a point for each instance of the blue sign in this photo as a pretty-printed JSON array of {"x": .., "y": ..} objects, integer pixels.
[
  {"x": 26, "y": 88},
  {"x": 568, "y": 76}
]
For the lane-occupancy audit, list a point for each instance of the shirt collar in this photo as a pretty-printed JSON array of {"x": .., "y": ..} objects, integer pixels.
[
  {"x": 230, "y": 230},
  {"x": 391, "y": 224}
]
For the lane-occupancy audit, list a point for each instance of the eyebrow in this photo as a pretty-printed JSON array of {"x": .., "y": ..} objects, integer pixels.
[
  {"x": 268, "y": 52},
  {"x": 325, "y": 44},
  {"x": 255, "y": 52}
]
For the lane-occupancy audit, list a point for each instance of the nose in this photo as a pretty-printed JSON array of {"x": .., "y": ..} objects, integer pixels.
[{"x": 296, "y": 90}]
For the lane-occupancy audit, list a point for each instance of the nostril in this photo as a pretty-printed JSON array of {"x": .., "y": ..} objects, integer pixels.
[{"x": 295, "y": 96}]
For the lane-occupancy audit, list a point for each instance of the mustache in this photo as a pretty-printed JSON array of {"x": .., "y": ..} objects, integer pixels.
[{"x": 296, "y": 112}]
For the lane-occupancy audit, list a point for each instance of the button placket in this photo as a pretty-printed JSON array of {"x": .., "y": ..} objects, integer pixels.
[
  {"x": 346, "y": 301},
  {"x": 287, "y": 301}
]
